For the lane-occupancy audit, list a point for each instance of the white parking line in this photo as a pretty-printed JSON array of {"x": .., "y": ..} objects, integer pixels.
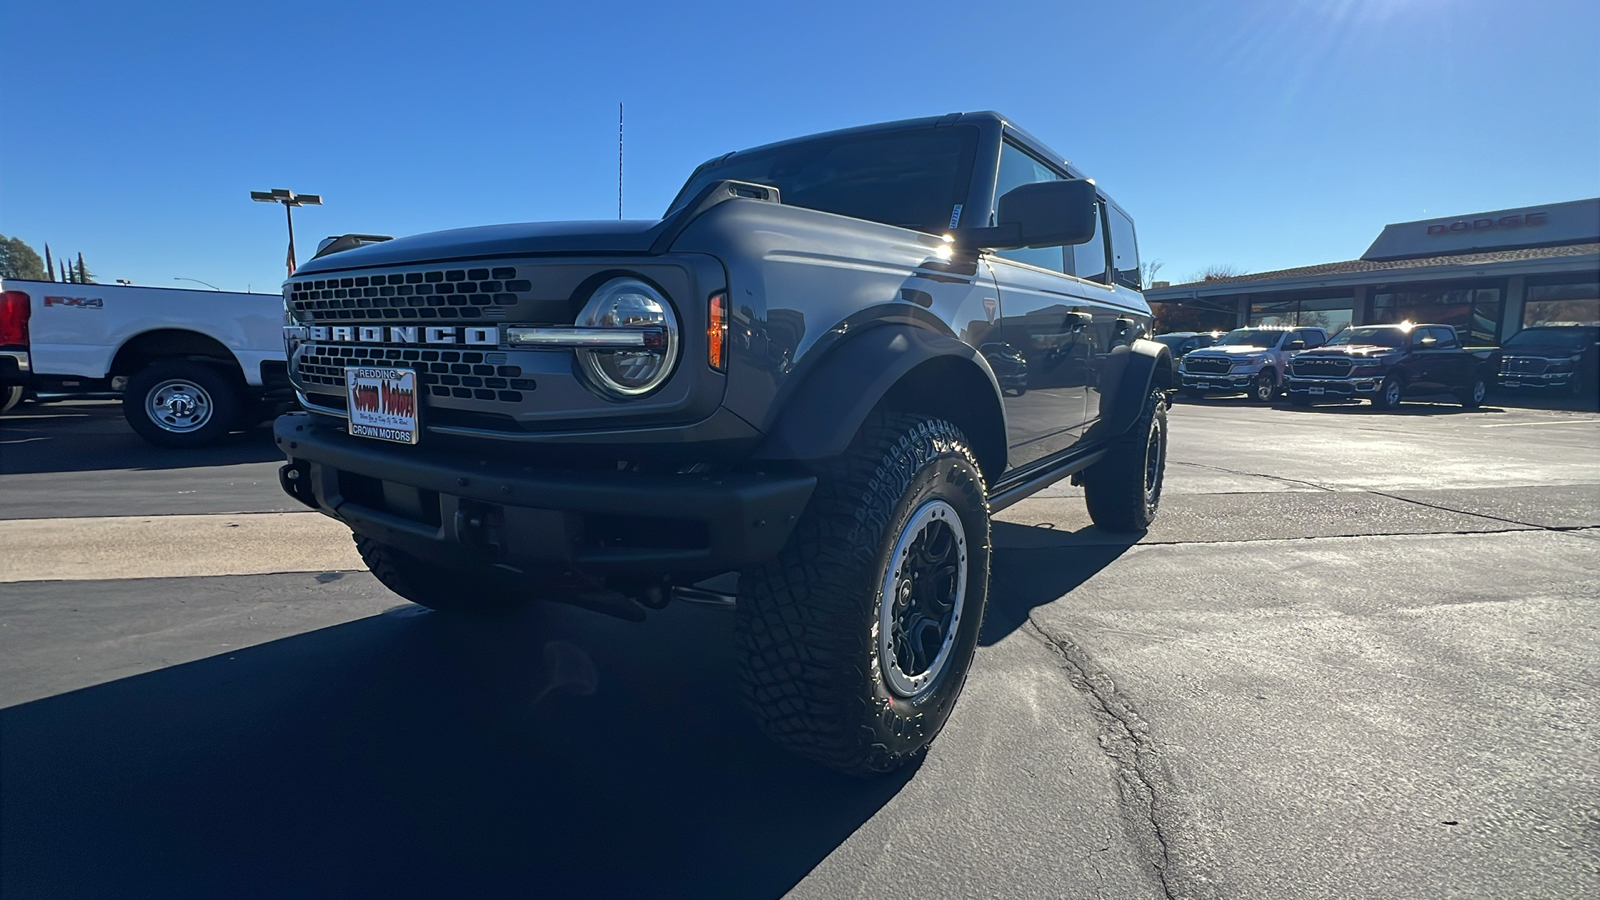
[{"x": 173, "y": 546}]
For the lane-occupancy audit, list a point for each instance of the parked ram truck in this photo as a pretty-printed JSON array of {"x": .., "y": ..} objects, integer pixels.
[
  {"x": 1564, "y": 358},
  {"x": 1390, "y": 363},
  {"x": 791, "y": 376},
  {"x": 189, "y": 365},
  {"x": 1248, "y": 361}
]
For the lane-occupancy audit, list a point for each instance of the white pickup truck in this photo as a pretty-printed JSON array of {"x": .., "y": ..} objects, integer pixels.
[{"x": 190, "y": 365}]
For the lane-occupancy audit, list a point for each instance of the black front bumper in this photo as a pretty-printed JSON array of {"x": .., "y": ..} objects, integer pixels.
[{"x": 458, "y": 511}]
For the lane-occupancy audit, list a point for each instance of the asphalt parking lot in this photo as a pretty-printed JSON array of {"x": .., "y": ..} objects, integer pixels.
[{"x": 1354, "y": 658}]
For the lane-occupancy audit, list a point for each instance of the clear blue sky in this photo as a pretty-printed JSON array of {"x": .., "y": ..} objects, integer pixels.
[{"x": 1257, "y": 133}]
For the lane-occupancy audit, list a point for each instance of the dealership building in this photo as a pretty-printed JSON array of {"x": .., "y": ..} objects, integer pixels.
[{"x": 1488, "y": 274}]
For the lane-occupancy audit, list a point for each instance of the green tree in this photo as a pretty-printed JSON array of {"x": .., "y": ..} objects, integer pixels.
[
  {"x": 18, "y": 260},
  {"x": 83, "y": 272}
]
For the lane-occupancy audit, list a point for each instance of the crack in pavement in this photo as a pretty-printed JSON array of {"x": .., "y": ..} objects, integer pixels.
[
  {"x": 1480, "y": 515},
  {"x": 1125, "y": 738},
  {"x": 1309, "y": 484}
]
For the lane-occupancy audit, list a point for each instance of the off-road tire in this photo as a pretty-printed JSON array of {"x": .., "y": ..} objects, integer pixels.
[
  {"x": 444, "y": 590},
  {"x": 1123, "y": 489},
  {"x": 808, "y": 627},
  {"x": 1477, "y": 390},
  {"x": 1390, "y": 387},
  {"x": 1264, "y": 387},
  {"x": 221, "y": 394}
]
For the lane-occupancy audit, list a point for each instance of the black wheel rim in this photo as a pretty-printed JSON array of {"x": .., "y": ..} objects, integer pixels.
[
  {"x": 1155, "y": 453},
  {"x": 924, "y": 594}
]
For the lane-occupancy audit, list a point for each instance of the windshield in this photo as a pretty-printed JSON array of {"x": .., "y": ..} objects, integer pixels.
[
  {"x": 1382, "y": 337},
  {"x": 1250, "y": 337},
  {"x": 1574, "y": 339},
  {"x": 913, "y": 179}
]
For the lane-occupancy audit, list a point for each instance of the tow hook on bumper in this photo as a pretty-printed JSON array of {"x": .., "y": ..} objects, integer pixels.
[{"x": 295, "y": 479}]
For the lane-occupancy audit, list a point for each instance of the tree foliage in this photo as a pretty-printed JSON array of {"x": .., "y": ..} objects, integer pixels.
[
  {"x": 18, "y": 260},
  {"x": 81, "y": 273},
  {"x": 1216, "y": 272}
]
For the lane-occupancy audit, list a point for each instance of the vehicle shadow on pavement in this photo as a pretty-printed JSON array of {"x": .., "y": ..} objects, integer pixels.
[
  {"x": 83, "y": 437},
  {"x": 1034, "y": 566},
  {"x": 406, "y": 754}
]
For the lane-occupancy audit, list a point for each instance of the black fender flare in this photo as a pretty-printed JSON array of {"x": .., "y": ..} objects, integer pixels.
[
  {"x": 827, "y": 408},
  {"x": 1130, "y": 373}
]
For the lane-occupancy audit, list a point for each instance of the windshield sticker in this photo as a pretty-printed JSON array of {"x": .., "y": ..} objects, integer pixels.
[{"x": 955, "y": 216}]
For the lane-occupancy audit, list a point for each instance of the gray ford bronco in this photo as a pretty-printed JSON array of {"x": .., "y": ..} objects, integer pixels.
[{"x": 824, "y": 369}]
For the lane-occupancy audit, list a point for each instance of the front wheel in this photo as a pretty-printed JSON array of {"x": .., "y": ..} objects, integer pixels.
[
  {"x": 1123, "y": 489},
  {"x": 181, "y": 403},
  {"x": 855, "y": 642},
  {"x": 1264, "y": 388},
  {"x": 1473, "y": 397},
  {"x": 1388, "y": 396}
]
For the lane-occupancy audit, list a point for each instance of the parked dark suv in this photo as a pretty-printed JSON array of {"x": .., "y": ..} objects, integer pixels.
[{"x": 824, "y": 369}]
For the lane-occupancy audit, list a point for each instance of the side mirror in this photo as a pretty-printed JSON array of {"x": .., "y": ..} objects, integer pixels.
[
  {"x": 1294, "y": 345},
  {"x": 1043, "y": 214}
]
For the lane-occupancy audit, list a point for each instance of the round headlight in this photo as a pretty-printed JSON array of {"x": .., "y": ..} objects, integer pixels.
[{"x": 626, "y": 372}]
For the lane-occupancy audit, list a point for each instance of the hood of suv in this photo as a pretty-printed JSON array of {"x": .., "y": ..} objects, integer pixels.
[{"x": 497, "y": 240}]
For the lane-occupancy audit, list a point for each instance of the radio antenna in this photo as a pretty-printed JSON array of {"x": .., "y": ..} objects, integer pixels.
[{"x": 619, "y": 161}]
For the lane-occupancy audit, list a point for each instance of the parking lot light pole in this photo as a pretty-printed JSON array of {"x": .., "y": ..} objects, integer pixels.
[{"x": 290, "y": 200}]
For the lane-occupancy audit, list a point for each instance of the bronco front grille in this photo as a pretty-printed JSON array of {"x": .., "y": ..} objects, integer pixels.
[
  {"x": 1207, "y": 365},
  {"x": 481, "y": 293},
  {"x": 464, "y": 374},
  {"x": 1333, "y": 368},
  {"x": 1523, "y": 365}
]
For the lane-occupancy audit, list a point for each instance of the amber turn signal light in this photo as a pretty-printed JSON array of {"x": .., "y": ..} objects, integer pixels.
[{"x": 717, "y": 332}]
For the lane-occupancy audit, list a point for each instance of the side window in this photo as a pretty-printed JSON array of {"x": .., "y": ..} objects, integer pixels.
[
  {"x": 1447, "y": 338},
  {"x": 1427, "y": 338},
  {"x": 1089, "y": 258},
  {"x": 1124, "y": 250},
  {"x": 1017, "y": 168}
]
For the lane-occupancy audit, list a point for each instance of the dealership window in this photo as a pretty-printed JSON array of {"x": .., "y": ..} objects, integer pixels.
[
  {"x": 1562, "y": 300},
  {"x": 1018, "y": 168},
  {"x": 1474, "y": 309},
  {"x": 1328, "y": 313}
]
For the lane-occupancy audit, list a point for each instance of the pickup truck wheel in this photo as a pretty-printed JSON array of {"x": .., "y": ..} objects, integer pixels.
[
  {"x": 9, "y": 398},
  {"x": 178, "y": 403},
  {"x": 443, "y": 590},
  {"x": 1475, "y": 393},
  {"x": 1389, "y": 393},
  {"x": 1264, "y": 388},
  {"x": 855, "y": 642},
  {"x": 1123, "y": 489}
]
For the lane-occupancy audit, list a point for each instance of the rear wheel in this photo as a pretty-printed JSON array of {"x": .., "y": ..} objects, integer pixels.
[
  {"x": 855, "y": 642},
  {"x": 180, "y": 403},
  {"x": 437, "y": 588},
  {"x": 9, "y": 398},
  {"x": 1123, "y": 489},
  {"x": 1389, "y": 392}
]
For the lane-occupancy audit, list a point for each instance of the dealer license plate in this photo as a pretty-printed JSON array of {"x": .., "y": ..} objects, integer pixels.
[
  {"x": 382, "y": 403},
  {"x": 1511, "y": 382},
  {"x": 1318, "y": 390}
]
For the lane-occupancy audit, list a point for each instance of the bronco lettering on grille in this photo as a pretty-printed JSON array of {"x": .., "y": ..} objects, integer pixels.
[{"x": 406, "y": 334}]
